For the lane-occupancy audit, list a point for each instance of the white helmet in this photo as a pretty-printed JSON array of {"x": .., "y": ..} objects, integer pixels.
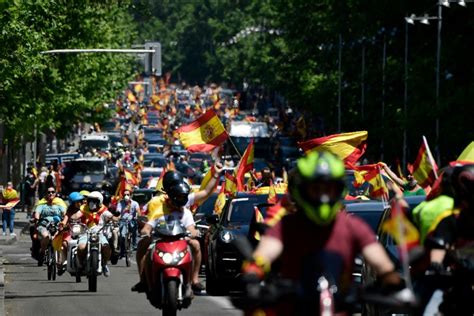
[{"x": 96, "y": 195}]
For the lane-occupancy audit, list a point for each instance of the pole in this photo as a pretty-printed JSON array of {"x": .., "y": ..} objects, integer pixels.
[
  {"x": 339, "y": 85},
  {"x": 362, "y": 85},
  {"x": 384, "y": 62},
  {"x": 438, "y": 59},
  {"x": 405, "y": 99}
]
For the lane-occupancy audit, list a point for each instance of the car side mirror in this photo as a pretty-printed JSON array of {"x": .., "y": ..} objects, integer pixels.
[{"x": 212, "y": 219}]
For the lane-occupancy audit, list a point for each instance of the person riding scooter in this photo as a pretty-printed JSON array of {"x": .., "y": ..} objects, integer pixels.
[
  {"x": 95, "y": 216},
  {"x": 176, "y": 202}
]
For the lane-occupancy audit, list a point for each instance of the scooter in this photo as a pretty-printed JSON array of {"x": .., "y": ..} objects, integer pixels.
[{"x": 168, "y": 269}]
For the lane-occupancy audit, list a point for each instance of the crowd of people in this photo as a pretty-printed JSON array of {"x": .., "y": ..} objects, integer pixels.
[{"x": 313, "y": 237}]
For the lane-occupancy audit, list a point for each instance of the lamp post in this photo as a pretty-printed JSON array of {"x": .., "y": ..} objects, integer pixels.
[{"x": 339, "y": 85}]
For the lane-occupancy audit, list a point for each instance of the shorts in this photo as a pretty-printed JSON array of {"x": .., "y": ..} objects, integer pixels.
[
  {"x": 41, "y": 230},
  {"x": 83, "y": 240}
]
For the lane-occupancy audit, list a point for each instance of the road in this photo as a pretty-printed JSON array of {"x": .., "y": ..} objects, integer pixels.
[{"x": 27, "y": 291}]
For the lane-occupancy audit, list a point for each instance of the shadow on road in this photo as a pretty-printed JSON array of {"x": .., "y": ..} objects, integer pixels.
[{"x": 55, "y": 294}]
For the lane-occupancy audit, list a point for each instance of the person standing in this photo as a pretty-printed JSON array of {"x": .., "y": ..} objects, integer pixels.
[
  {"x": 8, "y": 214},
  {"x": 30, "y": 184}
]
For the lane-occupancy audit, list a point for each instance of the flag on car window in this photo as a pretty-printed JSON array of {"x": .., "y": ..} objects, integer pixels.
[
  {"x": 230, "y": 184},
  {"x": 272, "y": 194},
  {"x": 400, "y": 228},
  {"x": 245, "y": 165},
  {"x": 347, "y": 146},
  {"x": 203, "y": 134},
  {"x": 424, "y": 169}
]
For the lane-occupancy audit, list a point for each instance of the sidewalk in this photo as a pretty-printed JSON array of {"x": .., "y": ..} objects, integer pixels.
[{"x": 21, "y": 224}]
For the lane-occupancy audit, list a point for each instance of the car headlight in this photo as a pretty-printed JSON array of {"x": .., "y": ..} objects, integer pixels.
[{"x": 226, "y": 236}]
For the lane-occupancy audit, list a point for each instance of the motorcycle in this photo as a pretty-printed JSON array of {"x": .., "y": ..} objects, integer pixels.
[
  {"x": 168, "y": 270},
  {"x": 93, "y": 266},
  {"x": 456, "y": 281}
]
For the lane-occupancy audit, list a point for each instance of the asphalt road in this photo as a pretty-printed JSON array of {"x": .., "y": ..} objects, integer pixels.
[{"x": 27, "y": 291}]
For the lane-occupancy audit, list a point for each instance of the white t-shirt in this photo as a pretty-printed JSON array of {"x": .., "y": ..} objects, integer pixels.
[{"x": 185, "y": 216}]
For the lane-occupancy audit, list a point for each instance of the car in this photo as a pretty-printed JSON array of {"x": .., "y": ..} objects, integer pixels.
[
  {"x": 223, "y": 261},
  {"x": 86, "y": 174},
  {"x": 155, "y": 161},
  {"x": 99, "y": 141},
  {"x": 149, "y": 174},
  {"x": 368, "y": 275},
  {"x": 142, "y": 197},
  {"x": 155, "y": 139}
]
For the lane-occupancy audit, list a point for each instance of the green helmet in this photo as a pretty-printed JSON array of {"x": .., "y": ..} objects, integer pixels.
[{"x": 317, "y": 186}]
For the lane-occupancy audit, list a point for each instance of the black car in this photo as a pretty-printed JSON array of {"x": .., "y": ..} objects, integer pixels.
[
  {"x": 223, "y": 261},
  {"x": 368, "y": 275}
]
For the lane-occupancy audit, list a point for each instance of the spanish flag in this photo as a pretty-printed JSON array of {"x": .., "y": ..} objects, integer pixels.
[
  {"x": 220, "y": 201},
  {"x": 272, "y": 194},
  {"x": 245, "y": 165},
  {"x": 347, "y": 146},
  {"x": 258, "y": 219},
  {"x": 425, "y": 168},
  {"x": 372, "y": 175},
  {"x": 400, "y": 228},
  {"x": 230, "y": 184},
  {"x": 204, "y": 134}
]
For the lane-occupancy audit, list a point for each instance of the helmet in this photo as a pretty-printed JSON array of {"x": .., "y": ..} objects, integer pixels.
[
  {"x": 75, "y": 197},
  {"x": 96, "y": 195},
  {"x": 178, "y": 194},
  {"x": 84, "y": 193},
  {"x": 317, "y": 186},
  {"x": 462, "y": 180},
  {"x": 170, "y": 179}
]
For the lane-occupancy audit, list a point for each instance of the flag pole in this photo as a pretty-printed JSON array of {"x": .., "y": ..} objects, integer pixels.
[
  {"x": 430, "y": 158},
  {"x": 235, "y": 147}
]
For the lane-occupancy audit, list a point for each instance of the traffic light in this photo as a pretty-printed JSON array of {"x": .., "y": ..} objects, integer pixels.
[{"x": 153, "y": 60}]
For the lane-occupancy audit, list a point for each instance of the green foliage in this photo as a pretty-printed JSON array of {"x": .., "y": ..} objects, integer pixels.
[{"x": 55, "y": 91}]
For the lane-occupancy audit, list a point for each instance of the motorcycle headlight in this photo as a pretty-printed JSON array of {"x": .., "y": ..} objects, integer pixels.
[
  {"x": 76, "y": 230},
  {"x": 226, "y": 236},
  {"x": 94, "y": 238},
  {"x": 171, "y": 258}
]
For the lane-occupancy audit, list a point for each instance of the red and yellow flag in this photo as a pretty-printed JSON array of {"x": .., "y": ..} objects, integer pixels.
[
  {"x": 272, "y": 194},
  {"x": 400, "y": 228},
  {"x": 245, "y": 165},
  {"x": 347, "y": 146},
  {"x": 220, "y": 201},
  {"x": 159, "y": 183},
  {"x": 425, "y": 168},
  {"x": 258, "y": 219},
  {"x": 203, "y": 134},
  {"x": 230, "y": 184},
  {"x": 372, "y": 175}
]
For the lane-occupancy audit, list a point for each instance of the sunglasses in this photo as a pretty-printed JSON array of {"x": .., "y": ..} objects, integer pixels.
[{"x": 51, "y": 192}]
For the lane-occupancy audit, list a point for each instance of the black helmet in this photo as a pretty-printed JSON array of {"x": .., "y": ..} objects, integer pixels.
[
  {"x": 462, "y": 180},
  {"x": 178, "y": 194},
  {"x": 170, "y": 179}
]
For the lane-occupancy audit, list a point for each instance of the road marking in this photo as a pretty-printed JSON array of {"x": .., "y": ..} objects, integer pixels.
[{"x": 221, "y": 301}]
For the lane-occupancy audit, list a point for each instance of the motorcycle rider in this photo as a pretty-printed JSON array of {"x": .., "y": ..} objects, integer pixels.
[
  {"x": 319, "y": 235},
  {"x": 95, "y": 216},
  {"x": 73, "y": 214},
  {"x": 129, "y": 206},
  {"x": 49, "y": 209},
  {"x": 454, "y": 230},
  {"x": 177, "y": 200}
]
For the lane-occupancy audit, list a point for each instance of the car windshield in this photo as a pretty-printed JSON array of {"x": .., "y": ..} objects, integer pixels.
[
  {"x": 207, "y": 208},
  {"x": 155, "y": 162},
  {"x": 243, "y": 210},
  {"x": 87, "y": 167},
  {"x": 170, "y": 227},
  {"x": 96, "y": 143}
]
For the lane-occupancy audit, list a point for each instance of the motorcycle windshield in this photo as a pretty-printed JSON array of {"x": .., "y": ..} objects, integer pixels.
[{"x": 170, "y": 228}]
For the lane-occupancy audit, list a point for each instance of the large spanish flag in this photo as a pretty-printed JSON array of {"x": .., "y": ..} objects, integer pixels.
[
  {"x": 347, "y": 146},
  {"x": 203, "y": 134},
  {"x": 425, "y": 168},
  {"x": 245, "y": 165}
]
